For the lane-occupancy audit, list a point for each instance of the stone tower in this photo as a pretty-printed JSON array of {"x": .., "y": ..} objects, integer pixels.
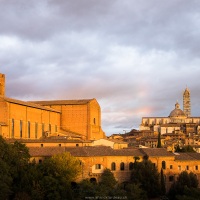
[
  {"x": 186, "y": 102},
  {"x": 2, "y": 85}
]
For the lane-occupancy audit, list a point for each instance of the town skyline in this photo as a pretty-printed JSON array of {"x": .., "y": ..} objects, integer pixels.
[{"x": 135, "y": 58}]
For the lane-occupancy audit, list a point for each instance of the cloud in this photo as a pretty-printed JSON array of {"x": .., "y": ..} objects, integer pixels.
[{"x": 134, "y": 57}]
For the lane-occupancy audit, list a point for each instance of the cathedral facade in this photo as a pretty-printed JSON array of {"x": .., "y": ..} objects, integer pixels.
[
  {"x": 178, "y": 121},
  {"x": 40, "y": 119}
]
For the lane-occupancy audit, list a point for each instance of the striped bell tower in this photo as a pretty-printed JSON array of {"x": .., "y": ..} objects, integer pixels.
[{"x": 186, "y": 102}]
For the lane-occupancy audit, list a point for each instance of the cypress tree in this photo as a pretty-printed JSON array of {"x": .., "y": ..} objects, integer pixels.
[{"x": 159, "y": 141}]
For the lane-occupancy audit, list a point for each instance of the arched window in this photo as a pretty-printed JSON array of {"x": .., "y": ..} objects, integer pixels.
[
  {"x": 131, "y": 166},
  {"x": 93, "y": 180},
  {"x": 163, "y": 165},
  {"x": 122, "y": 166},
  {"x": 113, "y": 166}
]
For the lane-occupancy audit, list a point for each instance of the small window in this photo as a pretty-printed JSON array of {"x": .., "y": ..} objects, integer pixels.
[
  {"x": 29, "y": 129},
  {"x": 56, "y": 129},
  {"x": 163, "y": 165},
  {"x": 98, "y": 166},
  {"x": 122, "y": 166},
  {"x": 59, "y": 145},
  {"x": 94, "y": 121},
  {"x": 179, "y": 167},
  {"x": 77, "y": 145},
  {"x": 21, "y": 128},
  {"x": 187, "y": 167},
  {"x": 36, "y": 130},
  {"x": 113, "y": 166},
  {"x": 171, "y": 166},
  {"x": 41, "y": 145},
  {"x": 171, "y": 178},
  {"x": 196, "y": 167},
  {"x": 50, "y": 128},
  {"x": 43, "y": 130},
  {"x": 13, "y": 128}
]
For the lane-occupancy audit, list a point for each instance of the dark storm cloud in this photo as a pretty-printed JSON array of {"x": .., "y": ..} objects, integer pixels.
[{"x": 134, "y": 57}]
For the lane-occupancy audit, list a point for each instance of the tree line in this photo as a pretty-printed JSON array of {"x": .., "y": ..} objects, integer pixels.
[{"x": 54, "y": 179}]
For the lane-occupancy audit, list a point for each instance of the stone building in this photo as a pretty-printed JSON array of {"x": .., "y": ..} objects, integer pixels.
[
  {"x": 41, "y": 119},
  {"x": 178, "y": 121},
  {"x": 120, "y": 161}
]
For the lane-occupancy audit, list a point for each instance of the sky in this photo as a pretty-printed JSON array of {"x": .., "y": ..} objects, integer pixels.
[{"x": 135, "y": 57}]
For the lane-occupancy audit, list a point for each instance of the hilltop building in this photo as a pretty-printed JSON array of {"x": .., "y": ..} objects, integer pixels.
[
  {"x": 178, "y": 121},
  {"x": 75, "y": 119}
]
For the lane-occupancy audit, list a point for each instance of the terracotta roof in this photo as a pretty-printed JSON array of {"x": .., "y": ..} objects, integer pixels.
[
  {"x": 29, "y": 104},
  {"x": 48, "y": 140},
  {"x": 187, "y": 156},
  {"x": 45, "y": 151},
  {"x": 102, "y": 151},
  {"x": 63, "y": 102},
  {"x": 155, "y": 152},
  {"x": 90, "y": 151},
  {"x": 117, "y": 141}
]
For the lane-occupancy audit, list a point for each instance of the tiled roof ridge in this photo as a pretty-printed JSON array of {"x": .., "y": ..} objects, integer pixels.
[
  {"x": 191, "y": 154},
  {"x": 27, "y": 103},
  {"x": 65, "y": 101}
]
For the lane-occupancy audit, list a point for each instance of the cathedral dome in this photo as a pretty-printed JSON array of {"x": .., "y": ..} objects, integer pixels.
[{"x": 177, "y": 112}]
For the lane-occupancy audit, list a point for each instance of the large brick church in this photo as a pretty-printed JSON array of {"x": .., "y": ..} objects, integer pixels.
[{"x": 40, "y": 119}]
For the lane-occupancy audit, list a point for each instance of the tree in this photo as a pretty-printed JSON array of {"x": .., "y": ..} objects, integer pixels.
[
  {"x": 159, "y": 141},
  {"x": 186, "y": 148},
  {"x": 108, "y": 179},
  {"x": 134, "y": 191},
  {"x": 56, "y": 174},
  {"x": 162, "y": 183},
  {"x": 186, "y": 187},
  {"x": 146, "y": 175}
]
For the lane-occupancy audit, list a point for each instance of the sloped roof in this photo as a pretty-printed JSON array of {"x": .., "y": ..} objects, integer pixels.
[
  {"x": 63, "y": 102},
  {"x": 45, "y": 151},
  {"x": 187, "y": 156},
  {"x": 103, "y": 151},
  {"x": 155, "y": 152},
  {"x": 90, "y": 151},
  {"x": 29, "y": 104}
]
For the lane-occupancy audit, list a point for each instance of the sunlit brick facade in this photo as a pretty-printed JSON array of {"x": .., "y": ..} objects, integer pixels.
[{"x": 36, "y": 120}]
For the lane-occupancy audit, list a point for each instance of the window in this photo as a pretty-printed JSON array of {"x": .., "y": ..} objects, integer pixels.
[
  {"x": 131, "y": 166},
  {"x": 98, "y": 166},
  {"x": 187, "y": 167},
  {"x": 59, "y": 145},
  {"x": 40, "y": 161},
  {"x": 163, "y": 165},
  {"x": 50, "y": 128},
  {"x": 179, "y": 167},
  {"x": 122, "y": 166},
  {"x": 29, "y": 129},
  {"x": 113, "y": 166},
  {"x": 196, "y": 167},
  {"x": 171, "y": 166},
  {"x": 171, "y": 178},
  {"x": 94, "y": 121},
  {"x": 36, "y": 130},
  {"x": 77, "y": 145},
  {"x": 56, "y": 129},
  {"x": 41, "y": 145},
  {"x": 43, "y": 129},
  {"x": 13, "y": 128},
  {"x": 21, "y": 128}
]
